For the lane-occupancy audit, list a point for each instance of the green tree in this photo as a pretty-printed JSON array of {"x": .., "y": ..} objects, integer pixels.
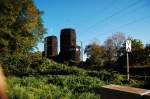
[
  {"x": 146, "y": 55},
  {"x": 21, "y": 26},
  {"x": 95, "y": 54},
  {"x": 20, "y": 29},
  {"x": 136, "y": 45},
  {"x": 136, "y": 55}
]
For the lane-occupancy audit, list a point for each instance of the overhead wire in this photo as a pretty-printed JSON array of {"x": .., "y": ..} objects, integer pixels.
[
  {"x": 133, "y": 22},
  {"x": 134, "y": 4},
  {"x": 115, "y": 13},
  {"x": 133, "y": 11},
  {"x": 128, "y": 24}
]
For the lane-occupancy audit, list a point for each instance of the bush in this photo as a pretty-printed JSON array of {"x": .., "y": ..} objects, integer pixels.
[
  {"x": 51, "y": 67},
  {"x": 76, "y": 84},
  {"x": 41, "y": 87},
  {"x": 102, "y": 75},
  {"x": 61, "y": 81},
  {"x": 18, "y": 64},
  {"x": 113, "y": 77}
]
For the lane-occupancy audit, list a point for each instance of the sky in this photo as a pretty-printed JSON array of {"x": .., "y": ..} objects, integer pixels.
[{"x": 96, "y": 20}]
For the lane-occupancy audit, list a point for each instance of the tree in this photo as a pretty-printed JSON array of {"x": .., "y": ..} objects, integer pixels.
[
  {"x": 95, "y": 54},
  {"x": 146, "y": 55},
  {"x": 112, "y": 46},
  {"x": 21, "y": 26},
  {"x": 20, "y": 29},
  {"x": 136, "y": 55}
]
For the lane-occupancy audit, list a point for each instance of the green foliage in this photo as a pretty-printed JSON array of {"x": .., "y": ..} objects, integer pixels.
[
  {"x": 51, "y": 67},
  {"x": 21, "y": 29},
  {"x": 42, "y": 87},
  {"x": 33, "y": 88},
  {"x": 43, "y": 78},
  {"x": 138, "y": 56},
  {"x": 77, "y": 84},
  {"x": 110, "y": 77},
  {"x": 21, "y": 26},
  {"x": 60, "y": 86},
  {"x": 136, "y": 45},
  {"x": 146, "y": 55},
  {"x": 88, "y": 95},
  {"x": 25, "y": 64},
  {"x": 51, "y": 80},
  {"x": 21, "y": 64},
  {"x": 17, "y": 64},
  {"x": 95, "y": 54}
]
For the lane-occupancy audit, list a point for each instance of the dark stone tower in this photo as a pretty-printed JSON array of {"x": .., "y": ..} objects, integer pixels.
[
  {"x": 68, "y": 48},
  {"x": 50, "y": 47},
  {"x": 67, "y": 38}
]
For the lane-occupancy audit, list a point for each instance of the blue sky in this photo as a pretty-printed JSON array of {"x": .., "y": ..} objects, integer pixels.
[{"x": 95, "y": 20}]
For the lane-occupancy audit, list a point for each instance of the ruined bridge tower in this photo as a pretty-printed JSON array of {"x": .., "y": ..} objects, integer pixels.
[
  {"x": 50, "y": 47},
  {"x": 69, "y": 51}
]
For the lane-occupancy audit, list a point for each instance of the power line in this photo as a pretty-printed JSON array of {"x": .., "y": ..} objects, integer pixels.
[
  {"x": 133, "y": 22},
  {"x": 115, "y": 13},
  {"x": 129, "y": 23},
  {"x": 106, "y": 7}
]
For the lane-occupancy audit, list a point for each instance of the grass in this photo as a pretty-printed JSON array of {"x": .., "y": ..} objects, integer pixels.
[
  {"x": 51, "y": 80},
  {"x": 53, "y": 87}
]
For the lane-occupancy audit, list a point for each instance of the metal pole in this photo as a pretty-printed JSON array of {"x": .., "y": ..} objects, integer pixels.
[
  {"x": 128, "y": 67},
  {"x": 81, "y": 51}
]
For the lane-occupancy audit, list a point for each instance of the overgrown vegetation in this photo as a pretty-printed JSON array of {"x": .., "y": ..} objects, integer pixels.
[
  {"x": 30, "y": 76},
  {"x": 53, "y": 87},
  {"x": 53, "y": 80},
  {"x": 113, "y": 52},
  {"x": 21, "y": 25}
]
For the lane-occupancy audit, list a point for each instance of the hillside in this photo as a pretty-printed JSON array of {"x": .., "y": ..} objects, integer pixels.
[{"x": 51, "y": 80}]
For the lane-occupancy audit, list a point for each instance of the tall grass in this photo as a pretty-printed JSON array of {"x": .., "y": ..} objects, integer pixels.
[
  {"x": 51, "y": 80},
  {"x": 53, "y": 87}
]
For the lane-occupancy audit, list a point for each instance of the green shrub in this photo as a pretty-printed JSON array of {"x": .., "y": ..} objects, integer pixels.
[
  {"x": 18, "y": 64},
  {"x": 88, "y": 95},
  {"x": 41, "y": 88},
  {"x": 76, "y": 84},
  {"x": 47, "y": 79},
  {"x": 102, "y": 75},
  {"x": 51, "y": 67},
  {"x": 113, "y": 77}
]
